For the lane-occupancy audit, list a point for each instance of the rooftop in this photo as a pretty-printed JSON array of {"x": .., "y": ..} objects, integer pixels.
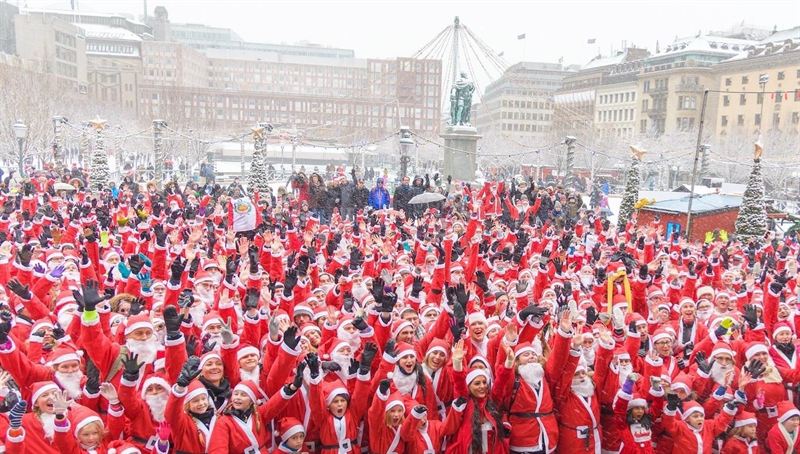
[
  {"x": 94, "y": 31},
  {"x": 701, "y": 204}
]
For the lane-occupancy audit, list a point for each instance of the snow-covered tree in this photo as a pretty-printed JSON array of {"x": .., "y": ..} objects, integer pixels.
[
  {"x": 631, "y": 196},
  {"x": 99, "y": 171},
  {"x": 257, "y": 179},
  {"x": 752, "y": 220}
]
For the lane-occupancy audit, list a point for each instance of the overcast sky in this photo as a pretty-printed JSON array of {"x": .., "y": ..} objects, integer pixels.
[{"x": 382, "y": 28}]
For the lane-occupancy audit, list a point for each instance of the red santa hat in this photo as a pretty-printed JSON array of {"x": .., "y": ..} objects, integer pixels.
[
  {"x": 682, "y": 382},
  {"x": 42, "y": 387},
  {"x": 122, "y": 447},
  {"x": 308, "y": 327},
  {"x": 62, "y": 354},
  {"x": 686, "y": 302},
  {"x": 111, "y": 253},
  {"x": 207, "y": 357},
  {"x": 621, "y": 353},
  {"x": 654, "y": 292},
  {"x": 53, "y": 254},
  {"x": 41, "y": 323},
  {"x": 330, "y": 390},
  {"x": 203, "y": 276},
  {"x": 403, "y": 349},
  {"x": 786, "y": 410},
  {"x": 211, "y": 318},
  {"x": 437, "y": 345},
  {"x": 252, "y": 390},
  {"x": 476, "y": 317},
  {"x": 781, "y": 327},
  {"x": 140, "y": 320},
  {"x": 247, "y": 350},
  {"x": 81, "y": 417},
  {"x": 332, "y": 346},
  {"x": 399, "y": 325},
  {"x": 303, "y": 309},
  {"x": 154, "y": 379},
  {"x": 395, "y": 400},
  {"x": 705, "y": 290},
  {"x": 475, "y": 373},
  {"x": 195, "y": 388},
  {"x": 754, "y": 348},
  {"x": 661, "y": 334},
  {"x": 744, "y": 418},
  {"x": 281, "y": 314},
  {"x": 722, "y": 348},
  {"x": 637, "y": 401},
  {"x": 691, "y": 407},
  {"x": 525, "y": 347},
  {"x": 65, "y": 298},
  {"x": 289, "y": 427}
]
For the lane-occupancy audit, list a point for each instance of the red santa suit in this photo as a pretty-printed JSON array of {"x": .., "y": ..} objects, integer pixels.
[
  {"x": 424, "y": 436},
  {"x": 633, "y": 438},
  {"x": 740, "y": 445},
  {"x": 779, "y": 441},
  {"x": 688, "y": 440},
  {"x": 578, "y": 425},
  {"x": 253, "y": 435},
  {"x": 338, "y": 435},
  {"x": 188, "y": 433},
  {"x": 36, "y": 438},
  {"x": 384, "y": 438}
]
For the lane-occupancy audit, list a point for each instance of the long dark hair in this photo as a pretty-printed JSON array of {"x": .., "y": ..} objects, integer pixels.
[{"x": 477, "y": 422}]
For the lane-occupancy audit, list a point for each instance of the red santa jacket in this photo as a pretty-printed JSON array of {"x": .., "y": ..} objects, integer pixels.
[
  {"x": 778, "y": 441},
  {"x": 738, "y": 445},
  {"x": 425, "y": 436},
  {"x": 687, "y": 440}
]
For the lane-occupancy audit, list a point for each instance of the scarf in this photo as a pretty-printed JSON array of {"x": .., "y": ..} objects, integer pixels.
[
  {"x": 205, "y": 417},
  {"x": 241, "y": 414},
  {"x": 219, "y": 394},
  {"x": 787, "y": 349}
]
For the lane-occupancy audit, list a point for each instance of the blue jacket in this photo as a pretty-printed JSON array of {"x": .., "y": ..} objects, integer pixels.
[{"x": 379, "y": 196}]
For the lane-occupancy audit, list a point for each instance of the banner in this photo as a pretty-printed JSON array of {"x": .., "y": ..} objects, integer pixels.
[{"x": 244, "y": 214}]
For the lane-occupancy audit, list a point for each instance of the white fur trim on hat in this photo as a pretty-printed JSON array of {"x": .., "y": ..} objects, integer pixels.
[
  {"x": 475, "y": 373},
  {"x": 745, "y": 422},
  {"x": 754, "y": 350},
  {"x": 292, "y": 431},
  {"x": 208, "y": 356},
  {"x": 85, "y": 422},
  {"x": 639, "y": 402},
  {"x": 246, "y": 350},
  {"x": 336, "y": 392},
  {"x": 44, "y": 389},
  {"x": 476, "y": 317}
]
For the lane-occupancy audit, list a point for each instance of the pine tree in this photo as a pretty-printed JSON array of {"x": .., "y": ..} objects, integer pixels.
[
  {"x": 257, "y": 179},
  {"x": 751, "y": 223},
  {"x": 99, "y": 173},
  {"x": 631, "y": 195}
]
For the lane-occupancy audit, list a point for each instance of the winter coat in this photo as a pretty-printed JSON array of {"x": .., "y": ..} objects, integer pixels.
[{"x": 379, "y": 196}]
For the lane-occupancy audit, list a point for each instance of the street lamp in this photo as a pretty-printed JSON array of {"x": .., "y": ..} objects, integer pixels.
[
  {"x": 406, "y": 142},
  {"x": 21, "y": 132}
]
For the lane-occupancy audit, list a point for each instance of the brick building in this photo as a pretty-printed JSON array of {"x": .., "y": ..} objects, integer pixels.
[{"x": 713, "y": 211}]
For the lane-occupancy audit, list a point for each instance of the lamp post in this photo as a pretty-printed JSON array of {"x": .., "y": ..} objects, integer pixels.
[
  {"x": 762, "y": 82},
  {"x": 21, "y": 133},
  {"x": 406, "y": 142}
]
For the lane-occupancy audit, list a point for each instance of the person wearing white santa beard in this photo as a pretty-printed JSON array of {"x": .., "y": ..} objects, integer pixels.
[
  {"x": 140, "y": 338},
  {"x": 347, "y": 332},
  {"x": 42, "y": 396},
  {"x": 582, "y": 384},
  {"x": 205, "y": 288},
  {"x": 67, "y": 367}
]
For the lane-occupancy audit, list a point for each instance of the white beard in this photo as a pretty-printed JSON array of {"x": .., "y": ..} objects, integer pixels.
[
  {"x": 64, "y": 319},
  {"x": 250, "y": 375},
  {"x": 718, "y": 372},
  {"x": 360, "y": 292},
  {"x": 586, "y": 280},
  {"x": 145, "y": 349},
  {"x": 198, "y": 311},
  {"x": 352, "y": 339},
  {"x": 588, "y": 355},
  {"x": 343, "y": 361},
  {"x": 703, "y": 316},
  {"x": 215, "y": 339},
  {"x": 405, "y": 383},
  {"x": 48, "y": 424},
  {"x": 71, "y": 382},
  {"x": 158, "y": 405},
  {"x": 74, "y": 276},
  {"x": 584, "y": 388},
  {"x": 207, "y": 298},
  {"x": 623, "y": 373},
  {"x": 532, "y": 373}
]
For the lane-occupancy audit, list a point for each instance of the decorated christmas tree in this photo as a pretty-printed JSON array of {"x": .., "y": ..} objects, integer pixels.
[
  {"x": 257, "y": 179},
  {"x": 752, "y": 220},
  {"x": 631, "y": 195},
  {"x": 99, "y": 172}
]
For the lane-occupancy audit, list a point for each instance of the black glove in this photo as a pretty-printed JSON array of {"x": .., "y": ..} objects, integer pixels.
[
  {"x": 135, "y": 264},
  {"x": 185, "y": 299},
  {"x": 384, "y": 385},
  {"x": 756, "y": 368},
  {"x": 58, "y": 332},
  {"x": 360, "y": 324},
  {"x": 23, "y": 291},
  {"x": 331, "y": 366},
  {"x": 189, "y": 371},
  {"x": 191, "y": 345},
  {"x": 481, "y": 281},
  {"x": 137, "y": 306},
  {"x": 161, "y": 236},
  {"x": 132, "y": 365},
  {"x": 558, "y": 264},
  {"x": 93, "y": 377},
  {"x": 289, "y": 282},
  {"x": 90, "y": 297},
  {"x": 750, "y": 316},
  {"x": 172, "y": 322},
  {"x": 643, "y": 272},
  {"x": 252, "y": 254},
  {"x": 461, "y": 401},
  {"x": 591, "y": 315},
  {"x": 367, "y": 356},
  {"x": 417, "y": 286},
  {"x": 720, "y": 331},
  {"x": 313, "y": 364},
  {"x": 231, "y": 265},
  {"x": 298, "y": 375},
  {"x": 532, "y": 311},
  {"x": 176, "y": 270},
  {"x": 5, "y": 328},
  {"x": 673, "y": 401},
  {"x": 703, "y": 364},
  {"x": 290, "y": 338},
  {"x": 687, "y": 350},
  {"x": 389, "y": 348},
  {"x": 462, "y": 295},
  {"x": 24, "y": 255}
]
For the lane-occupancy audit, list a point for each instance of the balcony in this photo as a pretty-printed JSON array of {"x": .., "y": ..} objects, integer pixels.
[
  {"x": 656, "y": 91},
  {"x": 690, "y": 88},
  {"x": 656, "y": 113}
]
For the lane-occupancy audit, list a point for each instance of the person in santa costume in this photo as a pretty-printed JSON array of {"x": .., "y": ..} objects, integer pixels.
[
  {"x": 245, "y": 424},
  {"x": 39, "y": 424},
  {"x": 291, "y": 434},
  {"x": 407, "y": 375},
  {"x": 742, "y": 437},
  {"x": 385, "y": 416},
  {"x": 335, "y": 412},
  {"x": 80, "y": 430},
  {"x": 784, "y": 437},
  {"x": 144, "y": 409},
  {"x": 423, "y": 436},
  {"x": 689, "y": 429},
  {"x": 633, "y": 423},
  {"x": 189, "y": 411}
]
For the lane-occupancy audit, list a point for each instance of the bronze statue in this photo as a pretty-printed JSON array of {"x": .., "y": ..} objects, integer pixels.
[{"x": 461, "y": 100}]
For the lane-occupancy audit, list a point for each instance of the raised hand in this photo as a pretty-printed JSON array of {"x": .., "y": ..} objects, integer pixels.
[
  {"x": 367, "y": 357},
  {"x": 189, "y": 371}
]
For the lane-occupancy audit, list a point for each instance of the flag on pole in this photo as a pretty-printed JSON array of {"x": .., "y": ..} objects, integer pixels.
[
  {"x": 591, "y": 41},
  {"x": 522, "y": 36}
]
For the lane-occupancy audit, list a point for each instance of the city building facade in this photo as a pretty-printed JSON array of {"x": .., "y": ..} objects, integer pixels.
[
  {"x": 114, "y": 64},
  {"x": 520, "y": 103}
]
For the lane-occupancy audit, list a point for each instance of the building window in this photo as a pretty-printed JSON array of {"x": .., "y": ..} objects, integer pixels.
[
  {"x": 726, "y": 101},
  {"x": 728, "y": 82},
  {"x": 742, "y": 99},
  {"x": 778, "y": 96},
  {"x": 781, "y": 75},
  {"x": 643, "y": 126},
  {"x": 724, "y": 120},
  {"x": 795, "y": 118},
  {"x": 740, "y": 120},
  {"x": 758, "y": 120},
  {"x": 745, "y": 80}
]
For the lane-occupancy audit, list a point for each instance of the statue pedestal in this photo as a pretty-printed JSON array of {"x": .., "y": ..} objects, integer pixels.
[{"x": 460, "y": 154}]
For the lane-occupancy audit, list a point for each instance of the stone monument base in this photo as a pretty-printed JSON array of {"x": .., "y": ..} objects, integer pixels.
[{"x": 460, "y": 152}]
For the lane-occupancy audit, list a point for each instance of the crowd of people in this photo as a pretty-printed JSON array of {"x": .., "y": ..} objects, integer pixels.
[{"x": 335, "y": 319}]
